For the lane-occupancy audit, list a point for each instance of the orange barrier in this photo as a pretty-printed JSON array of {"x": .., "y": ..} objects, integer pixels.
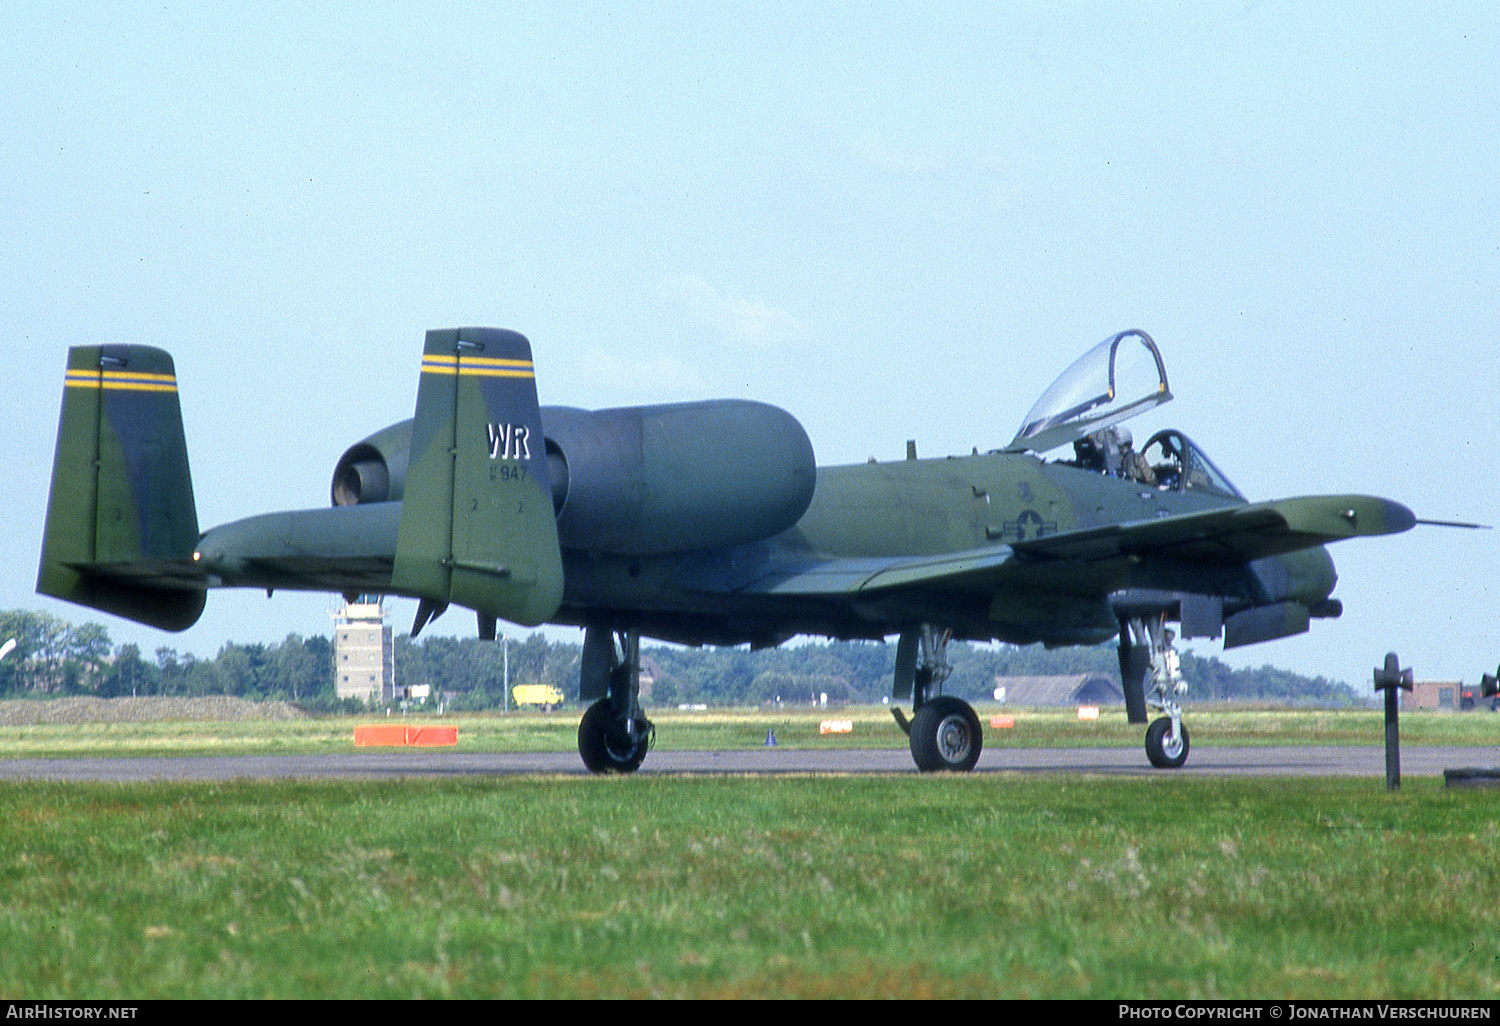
[
  {"x": 1002, "y": 722},
  {"x": 431, "y": 737},
  {"x": 836, "y": 727},
  {"x": 401, "y": 735},
  {"x": 385, "y": 734}
]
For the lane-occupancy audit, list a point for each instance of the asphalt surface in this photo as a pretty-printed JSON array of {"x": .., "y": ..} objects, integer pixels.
[{"x": 1301, "y": 760}]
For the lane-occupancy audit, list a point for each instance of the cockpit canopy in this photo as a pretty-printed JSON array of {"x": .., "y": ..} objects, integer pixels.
[
  {"x": 1172, "y": 461},
  {"x": 1120, "y": 377}
]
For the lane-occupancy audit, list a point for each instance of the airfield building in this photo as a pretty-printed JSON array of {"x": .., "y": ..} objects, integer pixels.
[
  {"x": 1072, "y": 689},
  {"x": 1432, "y": 696},
  {"x": 364, "y": 653}
]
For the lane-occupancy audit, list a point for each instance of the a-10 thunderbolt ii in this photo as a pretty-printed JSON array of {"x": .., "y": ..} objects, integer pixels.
[{"x": 710, "y": 523}]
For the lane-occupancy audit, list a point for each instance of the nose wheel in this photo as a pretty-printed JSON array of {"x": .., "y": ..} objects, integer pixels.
[
  {"x": 1149, "y": 671},
  {"x": 1167, "y": 743}
]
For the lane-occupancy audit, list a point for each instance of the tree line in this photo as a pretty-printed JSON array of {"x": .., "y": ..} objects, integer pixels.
[{"x": 53, "y": 657}]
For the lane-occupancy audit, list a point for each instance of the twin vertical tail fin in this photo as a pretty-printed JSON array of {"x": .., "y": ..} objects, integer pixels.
[
  {"x": 477, "y": 523},
  {"x": 121, "y": 523}
]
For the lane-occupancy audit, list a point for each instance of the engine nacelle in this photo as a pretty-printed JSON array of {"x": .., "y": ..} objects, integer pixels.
[
  {"x": 651, "y": 480},
  {"x": 640, "y": 480},
  {"x": 373, "y": 470}
]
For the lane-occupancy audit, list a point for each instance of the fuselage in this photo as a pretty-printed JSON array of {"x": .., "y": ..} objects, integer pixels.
[
  {"x": 871, "y": 511},
  {"x": 922, "y": 508}
]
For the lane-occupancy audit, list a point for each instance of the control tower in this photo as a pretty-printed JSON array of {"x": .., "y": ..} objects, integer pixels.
[{"x": 364, "y": 655}]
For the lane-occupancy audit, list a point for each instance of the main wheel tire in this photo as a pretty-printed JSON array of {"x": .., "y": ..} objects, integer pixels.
[
  {"x": 602, "y": 745},
  {"x": 945, "y": 735},
  {"x": 1166, "y": 751}
]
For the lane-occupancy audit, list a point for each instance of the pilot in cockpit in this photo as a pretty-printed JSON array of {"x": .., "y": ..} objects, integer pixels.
[
  {"x": 1133, "y": 465},
  {"x": 1111, "y": 451},
  {"x": 1087, "y": 454}
]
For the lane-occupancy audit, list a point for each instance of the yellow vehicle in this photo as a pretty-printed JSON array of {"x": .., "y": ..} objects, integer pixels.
[{"x": 544, "y": 695}]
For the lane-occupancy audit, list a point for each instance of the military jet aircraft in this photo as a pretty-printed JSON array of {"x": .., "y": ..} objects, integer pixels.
[{"x": 710, "y": 523}]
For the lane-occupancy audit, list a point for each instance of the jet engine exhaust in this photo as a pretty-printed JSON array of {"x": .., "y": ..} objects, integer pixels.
[{"x": 359, "y": 480}]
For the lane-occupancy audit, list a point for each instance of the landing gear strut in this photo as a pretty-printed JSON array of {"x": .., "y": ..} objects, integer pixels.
[
  {"x": 614, "y": 735},
  {"x": 944, "y": 731},
  {"x": 1148, "y": 672}
]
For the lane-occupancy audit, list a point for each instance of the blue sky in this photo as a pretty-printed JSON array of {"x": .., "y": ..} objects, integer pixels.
[{"x": 894, "y": 220}]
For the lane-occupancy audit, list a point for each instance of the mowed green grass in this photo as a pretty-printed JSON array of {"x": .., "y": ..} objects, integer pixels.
[
  {"x": 992, "y": 885},
  {"x": 738, "y": 729}
]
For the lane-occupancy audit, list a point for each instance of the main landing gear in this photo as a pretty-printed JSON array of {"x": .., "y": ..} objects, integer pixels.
[
  {"x": 944, "y": 731},
  {"x": 1149, "y": 675},
  {"x": 614, "y": 735}
]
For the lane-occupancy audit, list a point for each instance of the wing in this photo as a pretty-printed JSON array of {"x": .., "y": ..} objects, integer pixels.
[
  {"x": 848, "y": 576},
  {"x": 1223, "y": 537},
  {"x": 1233, "y": 535}
]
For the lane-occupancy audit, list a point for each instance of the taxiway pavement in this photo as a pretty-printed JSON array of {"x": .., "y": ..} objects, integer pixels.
[{"x": 1280, "y": 761}]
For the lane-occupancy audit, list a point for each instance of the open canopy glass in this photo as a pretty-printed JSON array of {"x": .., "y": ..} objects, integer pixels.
[{"x": 1117, "y": 379}]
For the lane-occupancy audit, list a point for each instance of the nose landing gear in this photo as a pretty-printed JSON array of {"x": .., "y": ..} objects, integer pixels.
[
  {"x": 1150, "y": 676},
  {"x": 1167, "y": 743}
]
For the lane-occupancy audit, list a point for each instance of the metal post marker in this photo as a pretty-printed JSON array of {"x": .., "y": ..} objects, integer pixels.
[{"x": 1391, "y": 679}]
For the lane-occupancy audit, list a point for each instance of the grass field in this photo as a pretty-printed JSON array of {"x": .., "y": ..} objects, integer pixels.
[
  {"x": 992, "y": 885},
  {"x": 984, "y": 886},
  {"x": 746, "y": 728}
]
